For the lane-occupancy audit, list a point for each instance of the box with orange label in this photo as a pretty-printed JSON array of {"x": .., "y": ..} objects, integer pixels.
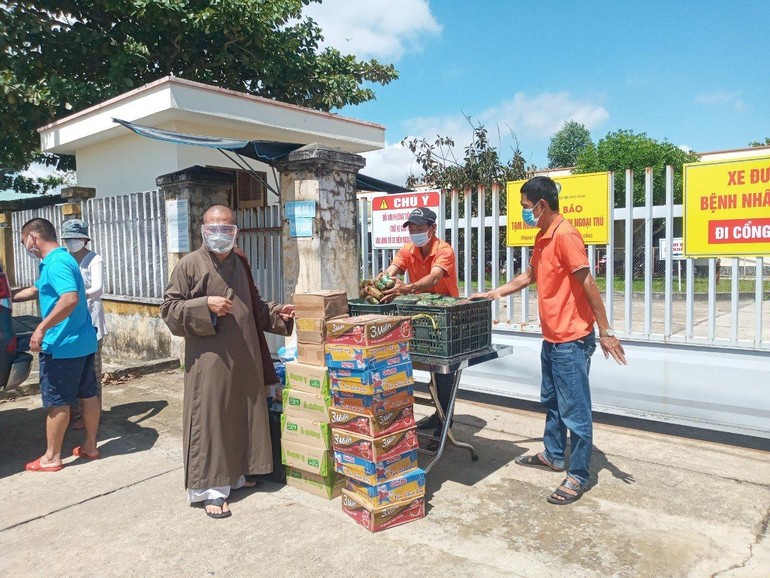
[
  {"x": 384, "y": 517},
  {"x": 375, "y": 449},
  {"x": 374, "y": 473},
  {"x": 407, "y": 487},
  {"x": 374, "y": 404},
  {"x": 372, "y": 425},
  {"x": 357, "y": 357},
  {"x": 372, "y": 381},
  {"x": 368, "y": 330}
]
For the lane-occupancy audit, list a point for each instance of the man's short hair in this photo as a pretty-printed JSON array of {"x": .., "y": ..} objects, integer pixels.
[
  {"x": 542, "y": 188},
  {"x": 43, "y": 227}
]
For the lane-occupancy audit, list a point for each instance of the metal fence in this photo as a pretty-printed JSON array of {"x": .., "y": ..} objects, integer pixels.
[
  {"x": 722, "y": 302},
  {"x": 259, "y": 236},
  {"x": 128, "y": 231}
]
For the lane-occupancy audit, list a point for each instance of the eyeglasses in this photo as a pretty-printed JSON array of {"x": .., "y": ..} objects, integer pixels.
[{"x": 221, "y": 229}]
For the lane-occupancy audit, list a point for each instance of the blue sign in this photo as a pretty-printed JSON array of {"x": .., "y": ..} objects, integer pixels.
[
  {"x": 299, "y": 210},
  {"x": 301, "y": 227}
]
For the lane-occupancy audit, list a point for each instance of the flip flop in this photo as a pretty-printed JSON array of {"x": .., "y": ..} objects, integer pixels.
[
  {"x": 219, "y": 502},
  {"x": 37, "y": 467},
  {"x": 79, "y": 454},
  {"x": 560, "y": 497},
  {"x": 535, "y": 461}
]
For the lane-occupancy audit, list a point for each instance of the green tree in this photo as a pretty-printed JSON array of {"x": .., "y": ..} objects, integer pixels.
[
  {"x": 61, "y": 56},
  {"x": 623, "y": 150},
  {"x": 756, "y": 143},
  {"x": 567, "y": 144}
]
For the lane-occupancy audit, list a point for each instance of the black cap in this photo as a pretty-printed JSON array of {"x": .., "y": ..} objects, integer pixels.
[{"x": 421, "y": 216}]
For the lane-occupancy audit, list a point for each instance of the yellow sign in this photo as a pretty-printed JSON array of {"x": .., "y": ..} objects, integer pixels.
[
  {"x": 727, "y": 208},
  {"x": 584, "y": 201}
]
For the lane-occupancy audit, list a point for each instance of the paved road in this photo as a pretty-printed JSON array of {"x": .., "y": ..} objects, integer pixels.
[{"x": 663, "y": 504}]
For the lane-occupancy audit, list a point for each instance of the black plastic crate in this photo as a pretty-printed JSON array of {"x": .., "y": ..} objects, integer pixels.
[
  {"x": 358, "y": 307},
  {"x": 447, "y": 332}
]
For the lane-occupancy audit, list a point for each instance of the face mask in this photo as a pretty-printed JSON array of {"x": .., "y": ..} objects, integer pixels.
[
  {"x": 420, "y": 239},
  {"x": 528, "y": 216},
  {"x": 31, "y": 252},
  {"x": 218, "y": 242},
  {"x": 74, "y": 245}
]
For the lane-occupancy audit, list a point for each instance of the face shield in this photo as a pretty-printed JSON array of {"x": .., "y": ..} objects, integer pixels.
[{"x": 219, "y": 238}]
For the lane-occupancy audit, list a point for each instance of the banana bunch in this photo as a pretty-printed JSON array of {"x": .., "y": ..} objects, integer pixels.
[{"x": 372, "y": 289}]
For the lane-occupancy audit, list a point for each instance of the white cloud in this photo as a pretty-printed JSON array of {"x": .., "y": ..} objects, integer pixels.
[
  {"x": 729, "y": 98},
  {"x": 375, "y": 28},
  {"x": 533, "y": 120}
]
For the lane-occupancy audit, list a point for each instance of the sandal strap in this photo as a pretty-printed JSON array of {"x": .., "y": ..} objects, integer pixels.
[
  {"x": 569, "y": 483},
  {"x": 218, "y": 502}
]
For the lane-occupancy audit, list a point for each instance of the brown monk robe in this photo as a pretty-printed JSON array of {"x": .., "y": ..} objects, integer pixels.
[{"x": 226, "y": 431}]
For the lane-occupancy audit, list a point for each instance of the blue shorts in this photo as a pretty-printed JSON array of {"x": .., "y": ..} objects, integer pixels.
[{"x": 64, "y": 381}]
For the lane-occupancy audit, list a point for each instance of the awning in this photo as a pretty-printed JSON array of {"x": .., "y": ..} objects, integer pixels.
[
  {"x": 267, "y": 152},
  {"x": 13, "y": 201}
]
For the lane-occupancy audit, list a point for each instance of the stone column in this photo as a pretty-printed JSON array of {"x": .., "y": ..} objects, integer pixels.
[
  {"x": 6, "y": 246},
  {"x": 201, "y": 187},
  {"x": 330, "y": 258},
  {"x": 75, "y": 197}
]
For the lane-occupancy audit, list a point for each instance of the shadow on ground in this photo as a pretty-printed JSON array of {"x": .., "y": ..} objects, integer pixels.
[{"x": 22, "y": 433}]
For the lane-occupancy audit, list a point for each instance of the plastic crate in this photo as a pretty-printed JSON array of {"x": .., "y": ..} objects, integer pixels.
[
  {"x": 358, "y": 307},
  {"x": 447, "y": 332}
]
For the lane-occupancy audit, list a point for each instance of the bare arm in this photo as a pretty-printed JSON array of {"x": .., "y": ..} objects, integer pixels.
[
  {"x": 515, "y": 285},
  {"x": 610, "y": 345},
  {"x": 26, "y": 294},
  {"x": 63, "y": 308},
  {"x": 424, "y": 284}
]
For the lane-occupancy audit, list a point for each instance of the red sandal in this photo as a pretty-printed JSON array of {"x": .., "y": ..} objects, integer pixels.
[{"x": 36, "y": 466}]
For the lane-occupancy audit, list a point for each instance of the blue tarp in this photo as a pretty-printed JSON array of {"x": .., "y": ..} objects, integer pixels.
[{"x": 264, "y": 151}]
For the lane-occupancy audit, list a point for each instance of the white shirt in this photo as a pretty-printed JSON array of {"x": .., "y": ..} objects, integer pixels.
[{"x": 92, "y": 270}]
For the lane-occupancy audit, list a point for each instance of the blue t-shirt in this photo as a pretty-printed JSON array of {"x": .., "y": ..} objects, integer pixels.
[{"x": 76, "y": 335}]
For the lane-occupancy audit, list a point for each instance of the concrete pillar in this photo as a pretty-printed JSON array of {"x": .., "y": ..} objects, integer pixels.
[
  {"x": 201, "y": 187},
  {"x": 6, "y": 246},
  {"x": 330, "y": 258},
  {"x": 75, "y": 197}
]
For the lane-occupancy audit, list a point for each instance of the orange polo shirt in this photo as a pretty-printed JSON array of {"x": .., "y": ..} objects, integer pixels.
[
  {"x": 409, "y": 258},
  {"x": 565, "y": 314}
]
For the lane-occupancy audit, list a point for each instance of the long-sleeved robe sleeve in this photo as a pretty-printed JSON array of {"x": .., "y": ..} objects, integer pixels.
[
  {"x": 184, "y": 314},
  {"x": 270, "y": 321}
]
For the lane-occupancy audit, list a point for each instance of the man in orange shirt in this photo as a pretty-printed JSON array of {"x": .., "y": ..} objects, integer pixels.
[
  {"x": 569, "y": 304},
  {"x": 432, "y": 268}
]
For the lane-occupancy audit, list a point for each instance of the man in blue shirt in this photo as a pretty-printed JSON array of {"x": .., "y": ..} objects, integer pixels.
[{"x": 65, "y": 341}]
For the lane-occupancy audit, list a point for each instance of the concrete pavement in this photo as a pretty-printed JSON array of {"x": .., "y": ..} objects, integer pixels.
[{"x": 665, "y": 502}]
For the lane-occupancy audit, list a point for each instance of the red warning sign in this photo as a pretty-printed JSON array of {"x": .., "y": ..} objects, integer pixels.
[{"x": 390, "y": 212}]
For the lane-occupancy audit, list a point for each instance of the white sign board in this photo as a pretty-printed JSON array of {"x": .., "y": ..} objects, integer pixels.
[
  {"x": 677, "y": 249},
  {"x": 390, "y": 212},
  {"x": 178, "y": 225}
]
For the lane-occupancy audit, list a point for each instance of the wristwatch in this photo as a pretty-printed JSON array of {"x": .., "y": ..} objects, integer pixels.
[{"x": 607, "y": 333}]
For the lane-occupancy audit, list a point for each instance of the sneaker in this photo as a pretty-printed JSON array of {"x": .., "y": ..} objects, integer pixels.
[{"x": 430, "y": 422}]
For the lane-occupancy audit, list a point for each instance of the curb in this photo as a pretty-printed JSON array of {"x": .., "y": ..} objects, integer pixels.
[{"x": 132, "y": 368}]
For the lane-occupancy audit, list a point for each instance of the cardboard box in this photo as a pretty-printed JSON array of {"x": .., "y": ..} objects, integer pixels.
[
  {"x": 373, "y": 404},
  {"x": 308, "y": 459},
  {"x": 310, "y": 329},
  {"x": 328, "y": 487},
  {"x": 310, "y": 406},
  {"x": 309, "y": 378},
  {"x": 372, "y": 381},
  {"x": 371, "y": 425},
  {"x": 403, "y": 488},
  {"x": 315, "y": 434},
  {"x": 311, "y": 353},
  {"x": 321, "y": 304},
  {"x": 353, "y": 357},
  {"x": 384, "y": 517},
  {"x": 368, "y": 330},
  {"x": 374, "y": 473},
  {"x": 375, "y": 449}
]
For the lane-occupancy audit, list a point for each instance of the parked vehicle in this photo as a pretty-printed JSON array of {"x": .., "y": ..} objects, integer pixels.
[{"x": 15, "y": 362}]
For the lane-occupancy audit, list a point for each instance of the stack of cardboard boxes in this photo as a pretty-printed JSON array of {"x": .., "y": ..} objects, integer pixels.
[
  {"x": 305, "y": 431},
  {"x": 372, "y": 419}
]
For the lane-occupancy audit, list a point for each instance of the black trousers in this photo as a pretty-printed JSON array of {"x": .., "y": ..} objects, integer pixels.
[{"x": 444, "y": 383}]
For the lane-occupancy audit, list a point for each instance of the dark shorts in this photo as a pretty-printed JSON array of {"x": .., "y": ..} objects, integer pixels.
[{"x": 64, "y": 381}]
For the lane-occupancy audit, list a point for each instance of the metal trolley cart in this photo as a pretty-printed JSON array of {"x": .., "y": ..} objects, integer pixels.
[{"x": 454, "y": 365}]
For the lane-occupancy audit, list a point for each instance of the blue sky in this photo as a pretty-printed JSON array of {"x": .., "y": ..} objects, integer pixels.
[{"x": 695, "y": 73}]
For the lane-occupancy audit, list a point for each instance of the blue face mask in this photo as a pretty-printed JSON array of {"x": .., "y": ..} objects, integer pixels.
[{"x": 528, "y": 216}]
